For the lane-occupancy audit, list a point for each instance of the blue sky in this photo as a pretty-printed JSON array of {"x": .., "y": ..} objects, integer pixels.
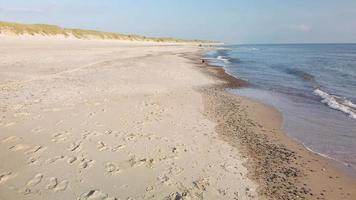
[{"x": 232, "y": 21}]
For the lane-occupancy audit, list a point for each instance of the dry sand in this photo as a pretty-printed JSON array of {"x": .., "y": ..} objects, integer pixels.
[{"x": 85, "y": 119}]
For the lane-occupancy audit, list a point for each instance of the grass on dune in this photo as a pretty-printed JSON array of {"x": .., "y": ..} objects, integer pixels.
[{"x": 52, "y": 30}]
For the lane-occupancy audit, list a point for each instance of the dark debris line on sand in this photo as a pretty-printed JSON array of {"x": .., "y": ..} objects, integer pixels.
[{"x": 270, "y": 162}]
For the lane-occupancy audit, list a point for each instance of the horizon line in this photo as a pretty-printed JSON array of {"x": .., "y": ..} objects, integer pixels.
[{"x": 296, "y": 43}]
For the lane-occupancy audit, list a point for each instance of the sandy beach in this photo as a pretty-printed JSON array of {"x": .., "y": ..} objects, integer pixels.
[
  {"x": 87, "y": 119},
  {"x": 95, "y": 119}
]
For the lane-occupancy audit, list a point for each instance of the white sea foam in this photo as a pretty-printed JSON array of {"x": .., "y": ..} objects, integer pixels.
[
  {"x": 337, "y": 103},
  {"x": 349, "y": 103},
  {"x": 224, "y": 59},
  {"x": 224, "y": 48}
]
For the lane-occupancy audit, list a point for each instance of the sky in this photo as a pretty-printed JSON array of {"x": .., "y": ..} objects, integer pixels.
[{"x": 230, "y": 21}]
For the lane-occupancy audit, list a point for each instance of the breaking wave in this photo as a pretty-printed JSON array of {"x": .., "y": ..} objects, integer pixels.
[
  {"x": 338, "y": 103},
  {"x": 224, "y": 59}
]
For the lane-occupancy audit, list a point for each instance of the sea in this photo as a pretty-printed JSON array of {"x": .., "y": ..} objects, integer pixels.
[{"x": 312, "y": 85}]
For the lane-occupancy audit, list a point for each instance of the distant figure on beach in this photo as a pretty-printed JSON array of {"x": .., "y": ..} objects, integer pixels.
[{"x": 202, "y": 61}]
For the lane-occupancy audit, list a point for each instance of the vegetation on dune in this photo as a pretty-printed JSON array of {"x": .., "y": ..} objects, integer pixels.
[{"x": 52, "y": 30}]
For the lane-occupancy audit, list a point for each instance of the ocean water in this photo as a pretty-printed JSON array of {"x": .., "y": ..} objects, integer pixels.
[{"x": 313, "y": 85}]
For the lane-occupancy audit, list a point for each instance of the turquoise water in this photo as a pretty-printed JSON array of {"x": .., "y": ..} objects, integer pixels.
[{"x": 313, "y": 85}]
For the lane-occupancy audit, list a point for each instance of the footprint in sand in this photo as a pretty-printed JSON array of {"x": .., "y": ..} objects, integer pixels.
[
  {"x": 33, "y": 160},
  {"x": 200, "y": 185},
  {"x": 178, "y": 195},
  {"x": 35, "y": 180},
  {"x": 164, "y": 179},
  {"x": 139, "y": 162},
  {"x": 62, "y": 186},
  {"x": 95, "y": 195},
  {"x": 149, "y": 188},
  {"x": 35, "y": 149},
  {"x": 71, "y": 159},
  {"x": 229, "y": 168},
  {"x": 37, "y": 130},
  {"x": 54, "y": 159},
  {"x": 59, "y": 122},
  {"x": 52, "y": 183},
  {"x": 74, "y": 146},
  {"x": 117, "y": 148},
  {"x": 19, "y": 147},
  {"x": 108, "y": 132},
  {"x": 101, "y": 146},
  {"x": 85, "y": 163},
  {"x": 87, "y": 134},
  {"x": 112, "y": 168},
  {"x": 195, "y": 192},
  {"x": 130, "y": 137},
  {"x": 11, "y": 139},
  {"x": 59, "y": 137},
  {"x": 175, "y": 170},
  {"x": 6, "y": 176}
]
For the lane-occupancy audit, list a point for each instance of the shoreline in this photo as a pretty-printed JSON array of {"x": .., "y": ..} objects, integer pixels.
[
  {"x": 292, "y": 170},
  {"x": 341, "y": 165}
]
